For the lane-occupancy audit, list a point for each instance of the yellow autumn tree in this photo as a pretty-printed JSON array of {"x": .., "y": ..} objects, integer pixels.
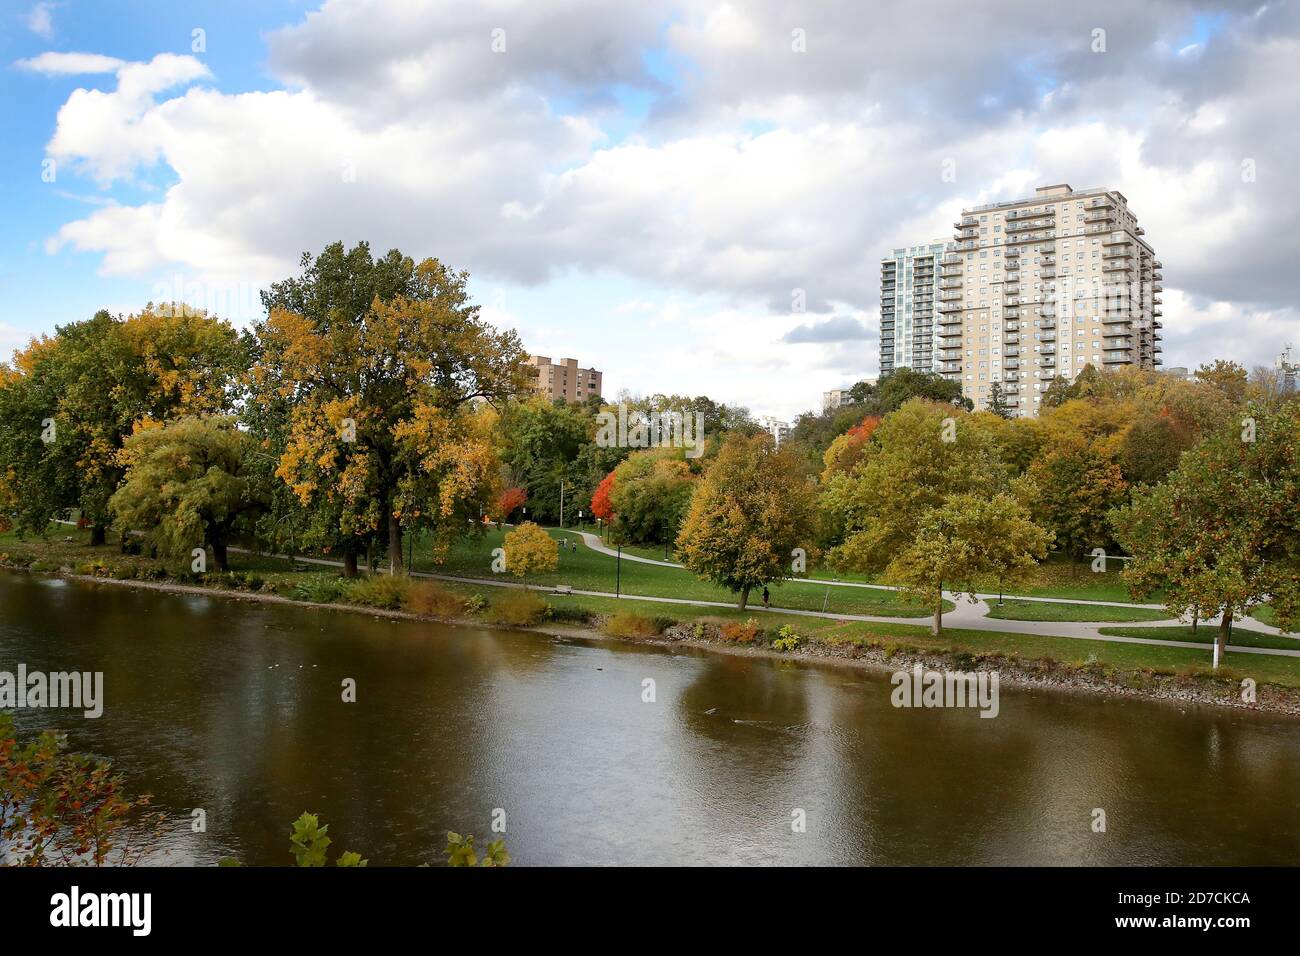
[{"x": 379, "y": 410}]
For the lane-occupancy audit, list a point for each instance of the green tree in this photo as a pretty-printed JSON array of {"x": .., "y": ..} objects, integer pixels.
[
  {"x": 188, "y": 484},
  {"x": 650, "y": 495},
  {"x": 68, "y": 404},
  {"x": 918, "y": 457},
  {"x": 1221, "y": 534},
  {"x": 966, "y": 539},
  {"x": 751, "y": 509},
  {"x": 998, "y": 401}
]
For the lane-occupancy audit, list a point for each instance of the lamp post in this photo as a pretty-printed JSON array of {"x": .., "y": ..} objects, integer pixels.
[
  {"x": 618, "y": 573},
  {"x": 579, "y": 519}
]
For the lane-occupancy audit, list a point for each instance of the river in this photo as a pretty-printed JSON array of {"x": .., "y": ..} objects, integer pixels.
[{"x": 236, "y": 708}]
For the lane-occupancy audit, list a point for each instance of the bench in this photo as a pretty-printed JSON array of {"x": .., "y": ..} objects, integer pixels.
[{"x": 562, "y": 589}]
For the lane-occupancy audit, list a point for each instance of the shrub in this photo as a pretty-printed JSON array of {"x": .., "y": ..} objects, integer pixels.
[
  {"x": 787, "y": 639},
  {"x": 435, "y": 600},
  {"x": 319, "y": 588},
  {"x": 380, "y": 590},
  {"x": 519, "y": 608},
  {"x": 475, "y": 603},
  {"x": 740, "y": 633},
  {"x": 570, "y": 613},
  {"x": 627, "y": 624}
]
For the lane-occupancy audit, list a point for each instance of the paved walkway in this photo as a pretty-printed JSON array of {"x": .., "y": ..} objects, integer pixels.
[{"x": 974, "y": 614}]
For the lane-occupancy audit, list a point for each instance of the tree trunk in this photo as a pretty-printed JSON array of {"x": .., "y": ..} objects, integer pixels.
[
  {"x": 744, "y": 597},
  {"x": 937, "y": 625},
  {"x": 394, "y": 544},
  {"x": 349, "y": 564},
  {"x": 98, "y": 534},
  {"x": 1222, "y": 637},
  {"x": 219, "y": 556}
]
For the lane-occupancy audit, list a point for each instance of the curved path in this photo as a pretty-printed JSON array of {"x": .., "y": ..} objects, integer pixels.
[{"x": 974, "y": 614}]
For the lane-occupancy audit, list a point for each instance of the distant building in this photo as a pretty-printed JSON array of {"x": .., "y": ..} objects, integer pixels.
[
  {"x": 1290, "y": 370},
  {"x": 779, "y": 430},
  {"x": 909, "y": 284},
  {"x": 834, "y": 398},
  {"x": 1178, "y": 371},
  {"x": 562, "y": 378}
]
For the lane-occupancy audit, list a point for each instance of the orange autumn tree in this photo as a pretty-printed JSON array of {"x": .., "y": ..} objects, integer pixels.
[
  {"x": 846, "y": 450},
  {"x": 383, "y": 436},
  {"x": 601, "y": 505},
  {"x": 508, "y": 502}
]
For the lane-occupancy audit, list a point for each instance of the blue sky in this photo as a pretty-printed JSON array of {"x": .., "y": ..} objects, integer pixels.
[{"x": 642, "y": 186}]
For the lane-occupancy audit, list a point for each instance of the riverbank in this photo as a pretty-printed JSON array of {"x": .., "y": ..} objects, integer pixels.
[{"x": 878, "y": 648}]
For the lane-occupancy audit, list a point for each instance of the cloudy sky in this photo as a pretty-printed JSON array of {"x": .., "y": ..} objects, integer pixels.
[{"x": 692, "y": 196}]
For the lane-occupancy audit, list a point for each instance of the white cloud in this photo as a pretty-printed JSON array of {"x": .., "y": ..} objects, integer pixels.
[
  {"x": 71, "y": 64},
  {"x": 757, "y": 172},
  {"x": 40, "y": 20}
]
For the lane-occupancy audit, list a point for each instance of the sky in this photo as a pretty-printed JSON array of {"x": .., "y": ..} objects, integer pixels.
[{"x": 692, "y": 196}]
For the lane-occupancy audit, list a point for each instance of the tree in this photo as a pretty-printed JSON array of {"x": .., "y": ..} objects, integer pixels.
[
  {"x": 845, "y": 451},
  {"x": 530, "y": 550},
  {"x": 918, "y": 456},
  {"x": 998, "y": 401},
  {"x": 649, "y": 495},
  {"x": 751, "y": 509},
  {"x": 68, "y": 403},
  {"x": 1222, "y": 533},
  {"x": 376, "y": 402},
  {"x": 188, "y": 484},
  {"x": 601, "y": 505},
  {"x": 542, "y": 441},
  {"x": 508, "y": 502},
  {"x": 1228, "y": 377},
  {"x": 967, "y": 538},
  {"x": 904, "y": 384}
]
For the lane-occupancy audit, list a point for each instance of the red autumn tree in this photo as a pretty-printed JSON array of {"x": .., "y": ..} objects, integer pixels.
[
  {"x": 600, "y": 503},
  {"x": 509, "y": 500}
]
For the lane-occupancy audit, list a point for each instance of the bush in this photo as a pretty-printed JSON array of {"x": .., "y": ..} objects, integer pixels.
[
  {"x": 386, "y": 591},
  {"x": 475, "y": 603},
  {"x": 434, "y": 600},
  {"x": 740, "y": 633},
  {"x": 570, "y": 614},
  {"x": 787, "y": 639},
  {"x": 519, "y": 608},
  {"x": 627, "y": 624},
  {"x": 319, "y": 588}
]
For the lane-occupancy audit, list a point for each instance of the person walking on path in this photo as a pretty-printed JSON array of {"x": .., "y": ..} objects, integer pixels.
[{"x": 765, "y": 595}]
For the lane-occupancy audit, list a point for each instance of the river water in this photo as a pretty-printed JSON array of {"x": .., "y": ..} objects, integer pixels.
[{"x": 237, "y": 708}]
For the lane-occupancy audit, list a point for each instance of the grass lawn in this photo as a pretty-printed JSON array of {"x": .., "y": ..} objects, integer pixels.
[
  {"x": 593, "y": 571},
  {"x": 1205, "y": 634},
  {"x": 1265, "y": 615},
  {"x": 1013, "y": 610}
]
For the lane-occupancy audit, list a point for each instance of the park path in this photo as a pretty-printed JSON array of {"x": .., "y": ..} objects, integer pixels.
[
  {"x": 970, "y": 614},
  {"x": 967, "y": 615}
]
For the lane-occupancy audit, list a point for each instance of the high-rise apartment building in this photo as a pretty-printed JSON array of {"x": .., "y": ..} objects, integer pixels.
[
  {"x": 909, "y": 285},
  {"x": 563, "y": 379},
  {"x": 1035, "y": 288}
]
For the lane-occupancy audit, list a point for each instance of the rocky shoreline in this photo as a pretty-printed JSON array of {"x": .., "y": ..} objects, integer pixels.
[{"x": 1039, "y": 674}]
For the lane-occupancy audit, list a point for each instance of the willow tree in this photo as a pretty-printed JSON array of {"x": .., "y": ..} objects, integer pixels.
[
  {"x": 189, "y": 484},
  {"x": 382, "y": 429}
]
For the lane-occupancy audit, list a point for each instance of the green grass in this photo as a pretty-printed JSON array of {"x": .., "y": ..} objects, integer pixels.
[
  {"x": 1205, "y": 634},
  {"x": 593, "y": 571},
  {"x": 1013, "y": 610}
]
